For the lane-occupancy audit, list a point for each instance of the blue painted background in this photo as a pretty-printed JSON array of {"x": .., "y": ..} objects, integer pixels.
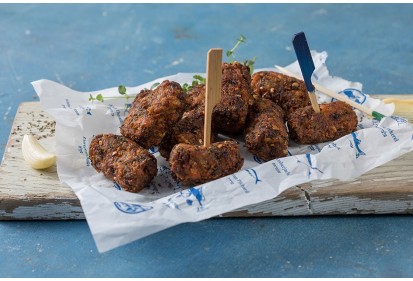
[{"x": 91, "y": 47}]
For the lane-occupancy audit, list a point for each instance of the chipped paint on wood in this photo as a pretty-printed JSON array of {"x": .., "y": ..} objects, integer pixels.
[{"x": 46, "y": 211}]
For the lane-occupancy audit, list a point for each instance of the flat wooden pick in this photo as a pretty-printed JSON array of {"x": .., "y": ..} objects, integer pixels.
[{"x": 212, "y": 89}]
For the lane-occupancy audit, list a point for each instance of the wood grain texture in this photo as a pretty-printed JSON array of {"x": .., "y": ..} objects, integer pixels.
[
  {"x": 28, "y": 194},
  {"x": 212, "y": 89}
]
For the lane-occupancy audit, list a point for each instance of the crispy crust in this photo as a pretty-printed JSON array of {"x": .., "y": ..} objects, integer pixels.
[
  {"x": 196, "y": 96},
  {"x": 259, "y": 106},
  {"x": 230, "y": 113},
  {"x": 188, "y": 130},
  {"x": 153, "y": 113},
  {"x": 287, "y": 92},
  {"x": 193, "y": 165},
  {"x": 335, "y": 120},
  {"x": 266, "y": 135},
  {"x": 122, "y": 160}
]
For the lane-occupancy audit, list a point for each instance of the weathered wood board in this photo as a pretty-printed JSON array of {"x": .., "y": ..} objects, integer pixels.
[{"x": 28, "y": 194}]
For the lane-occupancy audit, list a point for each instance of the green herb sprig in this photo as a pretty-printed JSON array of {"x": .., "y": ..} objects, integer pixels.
[
  {"x": 198, "y": 79},
  {"x": 122, "y": 92},
  {"x": 250, "y": 64},
  {"x": 98, "y": 97},
  {"x": 154, "y": 85},
  {"x": 231, "y": 54}
]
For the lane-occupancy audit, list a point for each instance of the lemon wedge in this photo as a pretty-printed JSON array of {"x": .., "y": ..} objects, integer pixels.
[{"x": 35, "y": 154}]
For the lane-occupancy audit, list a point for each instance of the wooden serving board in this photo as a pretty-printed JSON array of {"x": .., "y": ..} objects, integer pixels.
[{"x": 28, "y": 194}]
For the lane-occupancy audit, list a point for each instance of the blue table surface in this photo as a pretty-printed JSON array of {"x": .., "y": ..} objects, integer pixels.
[{"x": 96, "y": 46}]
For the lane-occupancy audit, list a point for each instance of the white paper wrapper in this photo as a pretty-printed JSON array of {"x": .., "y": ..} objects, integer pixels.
[{"x": 117, "y": 217}]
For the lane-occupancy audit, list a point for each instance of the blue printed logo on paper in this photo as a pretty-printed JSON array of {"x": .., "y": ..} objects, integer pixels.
[
  {"x": 88, "y": 110},
  {"x": 353, "y": 94},
  {"x": 191, "y": 197},
  {"x": 117, "y": 186},
  {"x": 130, "y": 208},
  {"x": 400, "y": 121},
  {"x": 310, "y": 165},
  {"x": 334, "y": 145},
  {"x": 357, "y": 143},
  {"x": 258, "y": 160},
  {"x": 83, "y": 149},
  {"x": 196, "y": 193},
  {"x": 253, "y": 174},
  {"x": 127, "y": 107}
]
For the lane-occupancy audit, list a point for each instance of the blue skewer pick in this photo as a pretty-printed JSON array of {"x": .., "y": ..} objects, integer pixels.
[
  {"x": 304, "y": 58},
  {"x": 307, "y": 66},
  {"x": 306, "y": 63}
]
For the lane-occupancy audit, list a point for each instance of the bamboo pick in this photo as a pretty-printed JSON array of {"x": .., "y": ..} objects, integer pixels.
[
  {"x": 212, "y": 89},
  {"x": 333, "y": 94},
  {"x": 314, "y": 102}
]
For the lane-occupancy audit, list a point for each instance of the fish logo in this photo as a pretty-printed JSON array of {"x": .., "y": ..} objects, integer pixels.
[
  {"x": 357, "y": 142},
  {"x": 254, "y": 174},
  {"x": 309, "y": 164},
  {"x": 117, "y": 186},
  {"x": 354, "y": 94},
  {"x": 258, "y": 160},
  {"x": 129, "y": 208},
  {"x": 191, "y": 197},
  {"x": 197, "y": 194}
]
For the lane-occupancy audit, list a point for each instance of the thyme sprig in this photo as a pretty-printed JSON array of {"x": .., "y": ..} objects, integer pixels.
[{"x": 121, "y": 90}]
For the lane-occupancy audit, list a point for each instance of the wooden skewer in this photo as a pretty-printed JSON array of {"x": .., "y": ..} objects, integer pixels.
[
  {"x": 333, "y": 94},
  {"x": 314, "y": 102},
  {"x": 213, "y": 89}
]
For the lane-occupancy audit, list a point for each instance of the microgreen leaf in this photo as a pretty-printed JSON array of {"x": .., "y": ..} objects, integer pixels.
[
  {"x": 250, "y": 64},
  {"x": 185, "y": 87},
  {"x": 230, "y": 53},
  {"x": 122, "y": 90},
  {"x": 99, "y": 97},
  {"x": 200, "y": 79},
  {"x": 154, "y": 85}
]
